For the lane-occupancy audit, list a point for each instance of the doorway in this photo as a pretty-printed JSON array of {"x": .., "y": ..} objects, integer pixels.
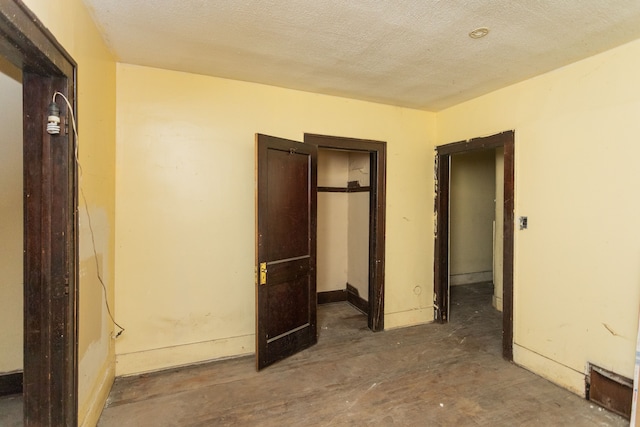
[
  {"x": 11, "y": 230},
  {"x": 50, "y": 230},
  {"x": 367, "y": 159},
  {"x": 442, "y": 267},
  {"x": 473, "y": 219},
  {"x": 286, "y": 229},
  {"x": 343, "y": 227}
]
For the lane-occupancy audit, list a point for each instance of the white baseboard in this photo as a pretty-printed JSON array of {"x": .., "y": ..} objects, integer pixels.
[
  {"x": 182, "y": 355},
  {"x": 468, "y": 278},
  {"x": 406, "y": 318},
  {"x": 551, "y": 370},
  {"x": 497, "y": 303}
]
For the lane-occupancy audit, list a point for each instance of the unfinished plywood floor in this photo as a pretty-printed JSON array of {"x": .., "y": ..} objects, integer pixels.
[{"x": 431, "y": 375}]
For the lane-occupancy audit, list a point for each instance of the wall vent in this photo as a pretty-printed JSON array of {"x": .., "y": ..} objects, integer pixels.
[{"x": 609, "y": 390}]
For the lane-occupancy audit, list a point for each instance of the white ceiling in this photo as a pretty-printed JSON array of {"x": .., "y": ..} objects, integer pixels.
[{"x": 412, "y": 53}]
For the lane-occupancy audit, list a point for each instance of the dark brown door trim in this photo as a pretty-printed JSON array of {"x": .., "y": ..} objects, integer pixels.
[
  {"x": 50, "y": 222},
  {"x": 377, "y": 152},
  {"x": 441, "y": 253},
  {"x": 441, "y": 258}
]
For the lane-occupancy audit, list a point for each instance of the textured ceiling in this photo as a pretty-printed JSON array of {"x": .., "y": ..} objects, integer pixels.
[{"x": 413, "y": 53}]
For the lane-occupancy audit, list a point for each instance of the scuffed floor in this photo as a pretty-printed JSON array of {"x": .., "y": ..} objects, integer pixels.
[
  {"x": 11, "y": 411},
  {"x": 430, "y": 375}
]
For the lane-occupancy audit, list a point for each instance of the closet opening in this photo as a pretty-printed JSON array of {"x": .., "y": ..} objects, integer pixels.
[
  {"x": 343, "y": 227},
  {"x": 351, "y": 212}
]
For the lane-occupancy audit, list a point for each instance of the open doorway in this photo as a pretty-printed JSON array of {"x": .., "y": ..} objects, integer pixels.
[
  {"x": 353, "y": 195},
  {"x": 504, "y": 142},
  {"x": 11, "y": 230},
  {"x": 49, "y": 220},
  {"x": 343, "y": 227},
  {"x": 475, "y": 223}
]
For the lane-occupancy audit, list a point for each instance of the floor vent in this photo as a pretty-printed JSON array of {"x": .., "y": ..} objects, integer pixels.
[{"x": 609, "y": 390}]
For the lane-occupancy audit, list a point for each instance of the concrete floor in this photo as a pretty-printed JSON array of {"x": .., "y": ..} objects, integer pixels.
[
  {"x": 11, "y": 411},
  {"x": 430, "y": 375}
]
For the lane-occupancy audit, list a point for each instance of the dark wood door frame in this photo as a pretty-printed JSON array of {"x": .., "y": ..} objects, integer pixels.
[
  {"x": 377, "y": 214},
  {"x": 50, "y": 385},
  {"x": 441, "y": 258}
]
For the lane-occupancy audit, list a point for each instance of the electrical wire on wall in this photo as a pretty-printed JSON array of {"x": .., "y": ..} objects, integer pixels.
[{"x": 53, "y": 128}]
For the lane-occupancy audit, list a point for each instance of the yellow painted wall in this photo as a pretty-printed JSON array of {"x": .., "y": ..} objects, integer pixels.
[
  {"x": 332, "y": 255},
  {"x": 333, "y": 168},
  {"x": 185, "y": 217},
  {"x": 70, "y": 23},
  {"x": 577, "y": 281},
  {"x": 358, "y": 218},
  {"x": 472, "y": 212},
  {"x": 11, "y": 222}
]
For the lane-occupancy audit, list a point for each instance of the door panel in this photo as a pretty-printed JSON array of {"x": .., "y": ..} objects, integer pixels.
[
  {"x": 286, "y": 249},
  {"x": 287, "y": 203},
  {"x": 283, "y": 300}
]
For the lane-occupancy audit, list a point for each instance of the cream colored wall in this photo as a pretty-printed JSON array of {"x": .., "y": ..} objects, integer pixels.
[
  {"x": 11, "y": 222},
  {"x": 343, "y": 223},
  {"x": 332, "y": 255},
  {"x": 498, "y": 244},
  {"x": 577, "y": 281},
  {"x": 472, "y": 212},
  {"x": 358, "y": 272},
  {"x": 333, "y": 168},
  {"x": 358, "y": 217},
  {"x": 186, "y": 207},
  {"x": 360, "y": 168},
  {"x": 71, "y": 24}
]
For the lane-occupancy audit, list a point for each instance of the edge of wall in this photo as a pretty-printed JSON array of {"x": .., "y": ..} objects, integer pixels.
[
  {"x": 99, "y": 394},
  {"x": 181, "y": 355},
  {"x": 468, "y": 278},
  {"x": 497, "y": 303},
  {"x": 403, "y": 319},
  {"x": 551, "y": 370}
]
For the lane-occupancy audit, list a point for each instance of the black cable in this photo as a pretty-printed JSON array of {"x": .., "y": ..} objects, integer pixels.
[
  {"x": 86, "y": 206},
  {"x": 95, "y": 256}
]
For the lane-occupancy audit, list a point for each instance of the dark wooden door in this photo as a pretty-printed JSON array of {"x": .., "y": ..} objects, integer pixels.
[{"x": 286, "y": 248}]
